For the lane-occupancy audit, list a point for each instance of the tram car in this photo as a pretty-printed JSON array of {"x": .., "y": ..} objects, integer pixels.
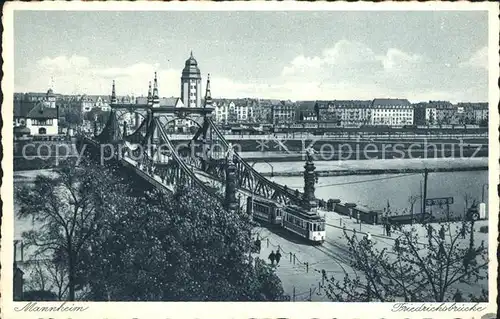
[
  {"x": 265, "y": 211},
  {"x": 307, "y": 225},
  {"x": 294, "y": 219}
]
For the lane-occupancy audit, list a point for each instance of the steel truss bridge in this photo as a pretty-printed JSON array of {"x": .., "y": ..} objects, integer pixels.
[{"x": 138, "y": 137}]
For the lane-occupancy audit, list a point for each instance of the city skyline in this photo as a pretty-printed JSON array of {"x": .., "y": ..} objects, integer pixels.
[{"x": 343, "y": 55}]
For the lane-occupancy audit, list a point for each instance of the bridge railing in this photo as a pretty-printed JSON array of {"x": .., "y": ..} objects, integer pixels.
[
  {"x": 289, "y": 192},
  {"x": 182, "y": 165}
]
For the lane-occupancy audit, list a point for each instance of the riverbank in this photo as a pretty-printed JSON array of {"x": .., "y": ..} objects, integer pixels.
[{"x": 371, "y": 167}]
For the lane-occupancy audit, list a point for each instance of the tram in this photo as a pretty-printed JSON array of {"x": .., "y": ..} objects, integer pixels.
[
  {"x": 307, "y": 225},
  {"x": 266, "y": 211}
]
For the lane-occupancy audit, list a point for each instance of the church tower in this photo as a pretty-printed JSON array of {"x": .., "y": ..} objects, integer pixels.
[{"x": 191, "y": 83}]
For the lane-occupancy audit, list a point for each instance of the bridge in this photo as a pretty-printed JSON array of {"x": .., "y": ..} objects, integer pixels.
[{"x": 137, "y": 136}]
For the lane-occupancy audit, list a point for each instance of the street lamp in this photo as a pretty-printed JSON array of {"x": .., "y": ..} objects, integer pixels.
[{"x": 272, "y": 167}]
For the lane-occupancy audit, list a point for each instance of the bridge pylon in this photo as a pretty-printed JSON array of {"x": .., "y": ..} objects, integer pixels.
[{"x": 230, "y": 196}]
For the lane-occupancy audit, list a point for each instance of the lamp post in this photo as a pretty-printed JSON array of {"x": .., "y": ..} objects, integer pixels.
[{"x": 272, "y": 167}]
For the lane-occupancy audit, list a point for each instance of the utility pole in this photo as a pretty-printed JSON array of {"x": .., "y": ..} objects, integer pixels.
[{"x": 426, "y": 173}]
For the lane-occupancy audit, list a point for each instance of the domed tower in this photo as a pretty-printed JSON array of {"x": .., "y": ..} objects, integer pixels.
[{"x": 191, "y": 83}]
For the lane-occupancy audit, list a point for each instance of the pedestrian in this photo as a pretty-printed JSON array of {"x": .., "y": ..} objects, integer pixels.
[
  {"x": 258, "y": 244},
  {"x": 369, "y": 237},
  {"x": 430, "y": 231},
  {"x": 462, "y": 231},
  {"x": 441, "y": 232},
  {"x": 271, "y": 257},
  {"x": 278, "y": 257},
  {"x": 388, "y": 229}
]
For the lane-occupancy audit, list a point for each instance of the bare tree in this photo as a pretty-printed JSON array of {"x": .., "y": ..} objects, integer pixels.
[
  {"x": 47, "y": 275},
  {"x": 67, "y": 209},
  {"x": 411, "y": 270}
]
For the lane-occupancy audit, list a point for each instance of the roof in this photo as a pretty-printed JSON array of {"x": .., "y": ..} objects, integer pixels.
[
  {"x": 477, "y": 105},
  {"x": 33, "y": 110},
  {"x": 191, "y": 68},
  {"x": 390, "y": 102},
  {"x": 169, "y": 101},
  {"x": 270, "y": 101},
  {"x": 22, "y": 107},
  {"x": 41, "y": 112},
  {"x": 306, "y": 105}
]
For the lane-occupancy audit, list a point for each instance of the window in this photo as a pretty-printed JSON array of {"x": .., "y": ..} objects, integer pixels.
[{"x": 42, "y": 131}]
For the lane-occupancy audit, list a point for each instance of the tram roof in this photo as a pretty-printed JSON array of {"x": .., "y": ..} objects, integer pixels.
[
  {"x": 296, "y": 210},
  {"x": 267, "y": 201}
]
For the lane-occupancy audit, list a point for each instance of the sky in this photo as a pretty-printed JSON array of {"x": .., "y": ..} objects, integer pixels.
[{"x": 306, "y": 55}]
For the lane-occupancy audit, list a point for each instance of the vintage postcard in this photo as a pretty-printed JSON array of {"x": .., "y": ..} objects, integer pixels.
[{"x": 249, "y": 160}]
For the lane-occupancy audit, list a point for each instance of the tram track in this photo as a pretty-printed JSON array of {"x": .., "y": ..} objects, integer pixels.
[{"x": 330, "y": 253}]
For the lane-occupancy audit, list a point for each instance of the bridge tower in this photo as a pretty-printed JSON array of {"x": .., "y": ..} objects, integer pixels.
[
  {"x": 309, "y": 199},
  {"x": 230, "y": 196},
  {"x": 150, "y": 96},
  {"x": 113, "y": 94},
  {"x": 208, "y": 93},
  {"x": 156, "y": 97}
]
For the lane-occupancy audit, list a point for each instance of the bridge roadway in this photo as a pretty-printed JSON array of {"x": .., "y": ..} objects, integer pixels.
[{"x": 157, "y": 181}]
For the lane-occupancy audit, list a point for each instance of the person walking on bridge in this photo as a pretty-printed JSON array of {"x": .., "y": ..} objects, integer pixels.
[{"x": 272, "y": 257}]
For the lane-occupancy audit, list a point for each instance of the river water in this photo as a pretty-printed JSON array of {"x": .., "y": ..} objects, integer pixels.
[{"x": 375, "y": 191}]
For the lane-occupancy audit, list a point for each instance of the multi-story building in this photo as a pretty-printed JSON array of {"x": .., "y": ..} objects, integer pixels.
[
  {"x": 235, "y": 111},
  {"x": 445, "y": 113},
  {"x": 284, "y": 112},
  {"x": 244, "y": 109},
  {"x": 345, "y": 112},
  {"x": 264, "y": 109},
  {"x": 191, "y": 83},
  {"x": 307, "y": 111},
  {"x": 424, "y": 113},
  {"x": 474, "y": 113},
  {"x": 36, "y": 117},
  {"x": 221, "y": 110},
  {"x": 392, "y": 112}
]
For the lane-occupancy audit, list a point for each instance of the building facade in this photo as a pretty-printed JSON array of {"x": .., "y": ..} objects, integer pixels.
[
  {"x": 345, "y": 112},
  {"x": 283, "y": 113},
  {"x": 392, "y": 112},
  {"x": 191, "y": 83},
  {"x": 36, "y": 117}
]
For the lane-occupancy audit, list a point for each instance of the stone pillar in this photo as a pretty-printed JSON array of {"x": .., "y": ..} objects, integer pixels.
[
  {"x": 18, "y": 283},
  {"x": 137, "y": 120},
  {"x": 230, "y": 198},
  {"x": 309, "y": 200}
]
